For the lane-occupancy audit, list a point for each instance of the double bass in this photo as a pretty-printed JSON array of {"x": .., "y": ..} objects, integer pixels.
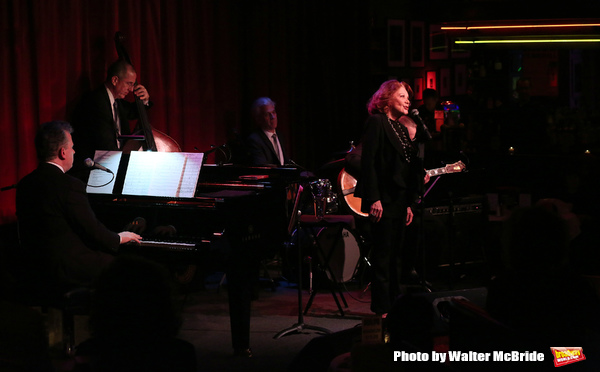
[{"x": 154, "y": 140}]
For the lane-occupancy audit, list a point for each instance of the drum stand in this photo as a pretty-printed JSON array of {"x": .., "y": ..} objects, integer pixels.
[
  {"x": 338, "y": 222},
  {"x": 300, "y": 325}
]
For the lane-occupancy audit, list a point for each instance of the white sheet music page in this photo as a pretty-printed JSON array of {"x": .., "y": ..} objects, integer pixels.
[
  {"x": 163, "y": 174},
  {"x": 99, "y": 181}
]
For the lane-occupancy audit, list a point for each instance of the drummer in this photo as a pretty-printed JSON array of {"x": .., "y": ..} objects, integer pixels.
[{"x": 264, "y": 145}]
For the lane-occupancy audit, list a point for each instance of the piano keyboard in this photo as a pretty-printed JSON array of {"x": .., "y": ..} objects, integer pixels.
[
  {"x": 169, "y": 245},
  {"x": 166, "y": 245}
]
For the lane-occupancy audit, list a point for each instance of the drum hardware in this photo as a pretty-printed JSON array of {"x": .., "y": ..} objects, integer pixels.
[
  {"x": 365, "y": 259},
  {"x": 325, "y": 261},
  {"x": 324, "y": 199},
  {"x": 316, "y": 227},
  {"x": 345, "y": 257},
  {"x": 308, "y": 260},
  {"x": 299, "y": 325}
]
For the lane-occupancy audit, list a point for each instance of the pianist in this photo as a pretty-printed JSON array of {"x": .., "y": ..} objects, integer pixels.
[
  {"x": 264, "y": 146},
  {"x": 62, "y": 239}
]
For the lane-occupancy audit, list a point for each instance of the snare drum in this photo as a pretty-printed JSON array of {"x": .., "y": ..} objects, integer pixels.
[{"x": 324, "y": 199}]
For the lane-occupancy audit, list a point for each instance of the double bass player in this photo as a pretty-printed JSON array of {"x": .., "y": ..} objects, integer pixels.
[
  {"x": 103, "y": 115},
  {"x": 98, "y": 123}
]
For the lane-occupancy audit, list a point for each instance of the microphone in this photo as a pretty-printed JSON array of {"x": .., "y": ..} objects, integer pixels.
[
  {"x": 91, "y": 164},
  {"x": 290, "y": 161},
  {"x": 305, "y": 173},
  {"x": 415, "y": 114}
]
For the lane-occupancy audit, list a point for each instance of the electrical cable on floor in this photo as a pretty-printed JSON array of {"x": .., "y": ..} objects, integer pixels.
[{"x": 352, "y": 297}]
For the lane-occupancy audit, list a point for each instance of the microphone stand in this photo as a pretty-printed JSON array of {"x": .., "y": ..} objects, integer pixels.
[
  {"x": 305, "y": 173},
  {"x": 214, "y": 148},
  {"x": 421, "y": 236},
  {"x": 422, "y": 194},
  {"x": 415, "y": 115}
]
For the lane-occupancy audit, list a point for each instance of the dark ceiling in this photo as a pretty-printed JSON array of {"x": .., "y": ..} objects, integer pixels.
[{"x": 472, "y": 10}]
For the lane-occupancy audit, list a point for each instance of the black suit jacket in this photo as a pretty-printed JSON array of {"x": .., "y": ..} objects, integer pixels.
[
  {"x": 261, "y": 151},
  {"x": 93, "y": 124},
  {"x": 58, "y": 228},
  {"x": 385, "y": 174}
]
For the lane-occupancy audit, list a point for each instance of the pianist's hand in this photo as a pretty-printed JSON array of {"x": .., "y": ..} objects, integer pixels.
[{"x": 128, "y": 236}]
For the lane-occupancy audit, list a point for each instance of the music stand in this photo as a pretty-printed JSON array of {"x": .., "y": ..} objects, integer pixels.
[{"x": 299, "y": 325}]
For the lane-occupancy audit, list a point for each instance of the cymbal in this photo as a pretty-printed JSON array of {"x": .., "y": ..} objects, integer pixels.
[{"x": 334, "y": 162}]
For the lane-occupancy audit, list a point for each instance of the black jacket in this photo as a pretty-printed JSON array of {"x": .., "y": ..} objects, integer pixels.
[
  {"x": 94, "y": 126},
  {"x": 386, "y": 175},
  {"x": 261, "y": 151},
  {"x": 59, "y": 229}
]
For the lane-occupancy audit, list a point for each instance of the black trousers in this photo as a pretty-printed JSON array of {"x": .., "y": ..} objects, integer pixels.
[{"x": 386, "y": 263}]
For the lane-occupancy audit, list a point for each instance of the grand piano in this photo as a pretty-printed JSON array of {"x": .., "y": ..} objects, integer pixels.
[
  {"x": 231, "y": 205},
  {"x": 233, "y": 218}
]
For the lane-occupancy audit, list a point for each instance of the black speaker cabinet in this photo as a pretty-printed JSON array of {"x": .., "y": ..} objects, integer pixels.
[{"x": 456, "y": 231}]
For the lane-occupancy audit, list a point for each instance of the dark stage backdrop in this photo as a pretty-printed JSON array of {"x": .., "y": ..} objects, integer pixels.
[{"x": 203, "y": 63}]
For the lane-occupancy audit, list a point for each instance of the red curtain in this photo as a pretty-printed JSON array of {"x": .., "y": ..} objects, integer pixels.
[{"x": 203, "y": 62}]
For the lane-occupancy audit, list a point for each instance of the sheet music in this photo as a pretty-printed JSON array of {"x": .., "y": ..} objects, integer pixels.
[
  {"x": 166, "y": 174},
  {"x": 99, "y": 181}
]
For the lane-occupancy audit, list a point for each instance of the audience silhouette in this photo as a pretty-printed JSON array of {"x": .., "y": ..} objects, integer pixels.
[
  {"x": 23, "y": 334},
  {"x": 539, "y": 293},
  {"x": 133, "y": 323}
]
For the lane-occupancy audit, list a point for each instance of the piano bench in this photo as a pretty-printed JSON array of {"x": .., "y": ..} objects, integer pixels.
[{"x": 69, "y": 304}]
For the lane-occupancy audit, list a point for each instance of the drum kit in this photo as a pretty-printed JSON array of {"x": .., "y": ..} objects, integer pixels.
[
  {"x": 336, "y": 236},
  {"x": 329, "y": 239},
  {"x": 324, "y": 198},
  {"x": 347, "y": 249},
  {"x": 343, "y": 247}
]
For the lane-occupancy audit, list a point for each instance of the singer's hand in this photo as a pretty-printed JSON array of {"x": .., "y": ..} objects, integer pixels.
[
  {"x": 376, "y": 211},
  {"x": 128, "y": 236},
  {"x": 409, "y": 216}
]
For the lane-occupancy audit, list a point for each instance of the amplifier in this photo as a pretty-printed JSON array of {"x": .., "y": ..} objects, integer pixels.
[
  {"x": 459, "y": 208},
  {"x": 457, "y": 237}
]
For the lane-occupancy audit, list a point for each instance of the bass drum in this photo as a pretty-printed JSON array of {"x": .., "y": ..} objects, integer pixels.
[{"x": 341, "y": 250}]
